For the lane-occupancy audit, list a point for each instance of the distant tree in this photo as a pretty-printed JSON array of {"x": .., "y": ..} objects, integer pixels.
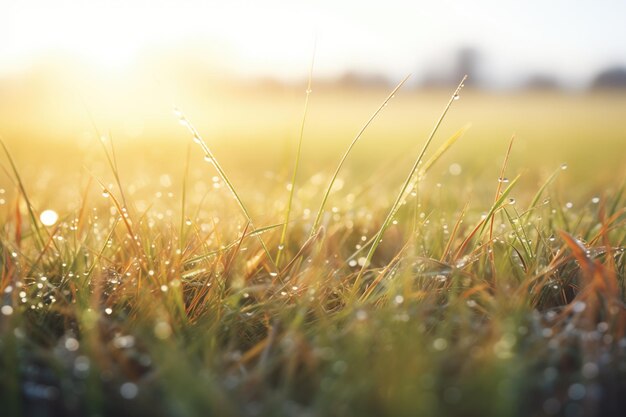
[
  {"x": 360, "y": 80},
  {"x": 542, "y": 82},
  {"x": 467, "y": 63},
  {"x": 610, "y": 78}
]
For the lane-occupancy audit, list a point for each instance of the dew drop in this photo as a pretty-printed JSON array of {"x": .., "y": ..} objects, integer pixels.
[
  {"x": 440, "y": 344},
  {"x": 563, "y": 167},
  {"x": 128, "y": 390},
  {"x": 162, "y": 330},
  {"x": 579, "y": 307},
  {"x": 576, "y": 392},
  {"x": 48, "y": 217},
  {"x": 455, "y": 169},
  {"x": 595, "y": 200},
  {"x": 511, "y": 201},
  {"x": 456, "y": 97},
  {"x": 71, "y": 344}
]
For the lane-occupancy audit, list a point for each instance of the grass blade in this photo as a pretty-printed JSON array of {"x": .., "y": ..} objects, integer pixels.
[
  {"x": 283, "y": 234},
  {"x": 320, "y": 211},
  {"x": 209, "y": 157},
  {"x": 407, "y": 183}
]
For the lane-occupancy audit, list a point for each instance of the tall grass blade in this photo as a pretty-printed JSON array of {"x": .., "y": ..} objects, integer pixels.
[
  {"x": 209, "y": 157},
  {"x": 442, "y": 150},
  {"x": 29, "y": 206},
  {"x": 407, "y": 183},
  {"x": 283, "y": 234},
  {"x": 320, "y": 211},
  {"x": 498, "y": 203}
]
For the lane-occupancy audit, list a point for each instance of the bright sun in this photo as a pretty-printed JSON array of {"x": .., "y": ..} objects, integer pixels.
[{"x": 110, "y": 34}]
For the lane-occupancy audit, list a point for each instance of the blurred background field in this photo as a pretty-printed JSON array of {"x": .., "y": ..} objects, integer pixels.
[
  {"x": 552, "y": 74},
  {"x": 253, "y": 130}
]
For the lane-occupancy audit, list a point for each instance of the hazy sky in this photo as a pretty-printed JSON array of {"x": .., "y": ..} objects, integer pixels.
[{"x": 569, "y": 38}]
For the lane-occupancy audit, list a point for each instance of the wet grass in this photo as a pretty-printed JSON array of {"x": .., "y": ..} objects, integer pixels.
[{"x": 464, "y": 290}]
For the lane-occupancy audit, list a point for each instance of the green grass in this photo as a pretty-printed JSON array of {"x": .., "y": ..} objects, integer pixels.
[{"x": 423, "y": 297}]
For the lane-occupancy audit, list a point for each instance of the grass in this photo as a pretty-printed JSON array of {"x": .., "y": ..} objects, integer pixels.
[{"x": 440, "y": 299}]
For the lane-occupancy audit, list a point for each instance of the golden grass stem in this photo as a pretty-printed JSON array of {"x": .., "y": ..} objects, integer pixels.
[
  {"x": 283, "y": 233},
  {"x": 208, "y": 155},
  {"x": 401, "y": 197},
  {"x": 320, "y": 211},
  {"x": 29, "y": 206}
]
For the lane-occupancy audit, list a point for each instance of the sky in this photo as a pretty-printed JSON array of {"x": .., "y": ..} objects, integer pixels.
[{"x": 569, "y": 39}]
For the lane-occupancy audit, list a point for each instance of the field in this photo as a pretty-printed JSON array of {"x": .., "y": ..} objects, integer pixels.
[{"x": 485, "y": 278}]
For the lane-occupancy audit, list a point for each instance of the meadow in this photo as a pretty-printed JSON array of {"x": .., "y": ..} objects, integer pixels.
[{"x": 190, "y": 272}]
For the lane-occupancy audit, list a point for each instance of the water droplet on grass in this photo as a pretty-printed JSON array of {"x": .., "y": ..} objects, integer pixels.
[
  {"x": 456, "y": 97},
  {"x": 579, "y": 307},
  {"x": 48, "y": 217},
  {"x": 455, "y": 169},
  {"x": 128, "y": 390},
  {"x": 563, "y": 166},
  {"x": 440, "y": 344},
  {"x": 71, "y": 344},
  {"x": 162, "y": 330},
  {"x": 361, "y": 315},
  {"x": 576, "y": 392}
]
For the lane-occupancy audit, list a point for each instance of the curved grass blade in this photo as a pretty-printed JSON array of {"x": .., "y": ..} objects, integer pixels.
[
  {"x": 209, "y": 157},
  {"x": 320, "y": 211},
  {"x": 283, "y": 234},
  {"x": 407, "y": 183}
]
